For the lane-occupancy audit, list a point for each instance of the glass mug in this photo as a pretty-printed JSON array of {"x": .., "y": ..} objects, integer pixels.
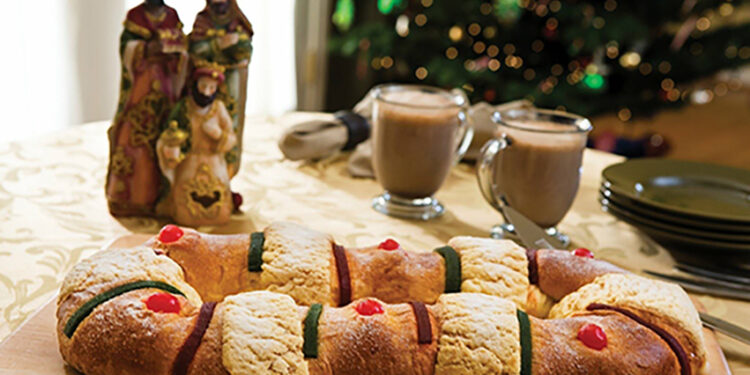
[
  {"x": 533, "y": 165},
  {"x": 418, "y": 134}
]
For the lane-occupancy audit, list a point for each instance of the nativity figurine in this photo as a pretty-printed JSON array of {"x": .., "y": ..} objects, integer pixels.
[
  {"x": 192, "y": 153},
  {"x": 154, "y": 59},
  {"x": 223, "y": 35}
]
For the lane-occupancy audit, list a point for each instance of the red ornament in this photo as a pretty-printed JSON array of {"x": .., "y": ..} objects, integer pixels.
[
  {"x": 583, "y": 252},
  {"x": 664, "y": 95},
  {"x": 481, "y": 63},
  {"x": 490, "y": 95},
  {"x": 593, "y": 336},
  {"x": 585, "y": 61},
  {"x": 170, "y": 233},
  {"x": 389, "y": 244},
  {"x": 369, "y": 307},
  {"x": 606, "y": 141},
  {"x": 237, "y": 201},
  {"x": 549, "y": 33},
  {"x": 163, "y": 303}
]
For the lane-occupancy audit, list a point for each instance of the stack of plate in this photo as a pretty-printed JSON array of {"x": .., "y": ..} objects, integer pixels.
[{"x": 692, "y": 208}]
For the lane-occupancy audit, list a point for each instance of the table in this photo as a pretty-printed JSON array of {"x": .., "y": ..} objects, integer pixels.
[{"x": 53, "y": 214}]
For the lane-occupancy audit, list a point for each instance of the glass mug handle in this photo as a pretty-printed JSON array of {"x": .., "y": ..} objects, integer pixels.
[
  {"x": 465, "y": 127},
  {"x": 466, "y": 137},
  {"x": 487, "y": 157}
]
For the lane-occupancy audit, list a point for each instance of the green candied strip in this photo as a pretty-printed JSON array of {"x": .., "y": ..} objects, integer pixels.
[
  {"x": 525, "y": 328},
  {"x": 310, "y": 346},
  {"x": 452, "y": 269},
  {"x": 90, "y": 305},
  {"x": 255, "y": 257}
]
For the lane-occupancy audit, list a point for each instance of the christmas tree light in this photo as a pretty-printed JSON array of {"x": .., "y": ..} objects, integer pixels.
[
  {"x": 588, "y": 56},
  {"x": 594, "y": 81},
  {"x": 344, "y": 14},
  {"x": 387, "y": 6}
]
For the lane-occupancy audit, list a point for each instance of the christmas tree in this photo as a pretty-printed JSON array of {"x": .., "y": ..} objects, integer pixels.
[{"x": 588, "y": 57}]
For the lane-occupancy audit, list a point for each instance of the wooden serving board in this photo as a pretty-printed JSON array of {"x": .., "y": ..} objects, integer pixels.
[{"x": 32, "y": 348}]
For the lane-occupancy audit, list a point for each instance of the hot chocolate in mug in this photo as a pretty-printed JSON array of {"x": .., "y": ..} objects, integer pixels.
[{"x": 534, "y": 165}]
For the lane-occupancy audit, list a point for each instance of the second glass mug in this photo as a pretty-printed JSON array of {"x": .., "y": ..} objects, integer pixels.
[
  {"x": 418, "y": 134},
  {"x": 533, "y": 164}
]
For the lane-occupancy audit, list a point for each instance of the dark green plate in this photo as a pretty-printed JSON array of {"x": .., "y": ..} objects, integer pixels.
[
  {"x": 677, "y": 229},
  {"x": 696, "y": 252},
  {"x": 688, "y": 188},
  {"x": 666, "y": 217},
  {"x": 677, "y": 241}
]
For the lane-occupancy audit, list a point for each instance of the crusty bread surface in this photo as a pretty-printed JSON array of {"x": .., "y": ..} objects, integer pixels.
[
  {"x": 495, "y": 267},
  {"x": 119, "y": 266},
  {"x": 561, "y": 273},
  {"x": 473, "y": 332},
  {"x": 299, "y": 262},
  {"x": 262, "y": 335},
  {"x": 216, "y": 265},
  {"x": 662, "y": 304},
  {"x": 492, "y": 348},
  {"x": 632, "y": 349},
  {"x": 383, "y": 344}
]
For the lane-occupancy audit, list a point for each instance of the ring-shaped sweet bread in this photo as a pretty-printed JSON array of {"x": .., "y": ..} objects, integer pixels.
[{"x": 290, "y": 300}]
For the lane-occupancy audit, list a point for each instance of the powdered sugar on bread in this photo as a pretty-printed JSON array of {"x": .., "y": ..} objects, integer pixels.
[
  {"x": 494, "y": 267},
  {"x": 298, "y": 262},
  {"x": 479, "y": 335},
  {"x": 119, "y": 266},
  {"x": 262, "y": 335}
]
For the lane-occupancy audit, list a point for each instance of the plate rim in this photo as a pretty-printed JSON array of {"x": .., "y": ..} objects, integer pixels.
[
  {"x": 657, "y": 214},
  {"x": 734, "y": 248},
  {"x": 701, "y": 234},
  {"x": 607, "y": 172}
]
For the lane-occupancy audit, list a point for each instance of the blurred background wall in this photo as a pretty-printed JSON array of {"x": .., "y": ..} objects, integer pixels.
[
  {"x": 39, "y": 76},
  {"x": 659, "y": 78},
  {"x": 61, "y": 63}
]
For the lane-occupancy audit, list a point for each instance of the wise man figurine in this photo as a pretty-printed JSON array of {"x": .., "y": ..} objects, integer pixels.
[
  {"x": 192, "y": 151},
  {"x": 223, "y": 35},
  {"x": 153, "y": 51}
]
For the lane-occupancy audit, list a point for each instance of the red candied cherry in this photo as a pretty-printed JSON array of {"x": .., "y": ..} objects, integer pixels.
[
  {"x": 583, "y": 253},
  {"x": 237, "y": 201},
  {"x": 170, "y": 233},
  {"x": 389, "y": 244},
  {"x": 593, "y": 336},
  {"x": 369, "y": 307},
  {"x": 163, "y": 303}
]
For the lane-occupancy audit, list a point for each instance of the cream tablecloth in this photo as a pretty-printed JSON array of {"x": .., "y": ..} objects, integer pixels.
[{"x": 53, "y": 214}]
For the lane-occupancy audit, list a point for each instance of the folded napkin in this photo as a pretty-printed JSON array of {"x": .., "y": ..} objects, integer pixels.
[
  {"x": 326, "y": 134},
  {"x": 322, "y": 136}
]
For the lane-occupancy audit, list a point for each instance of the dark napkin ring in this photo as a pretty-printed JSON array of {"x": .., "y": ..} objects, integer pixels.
[{"x": 357, "y": 128}]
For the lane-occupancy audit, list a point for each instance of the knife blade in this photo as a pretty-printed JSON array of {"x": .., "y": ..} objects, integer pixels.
[
  {"x": 532, "y": 236},
  {"x": 723, "y": 275},
  {"x": 700, "y": 280},
  {"x": 729, "y": 329},
  {"x": 697, "y": 287}
]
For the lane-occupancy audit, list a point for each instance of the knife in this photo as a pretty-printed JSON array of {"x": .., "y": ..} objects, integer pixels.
[
  {"x": 729, "y": 329},
  {"x": 725, "y": 274},
  {"x": 532, "y": 236},
  {"x": 702, "y": 281},
  {"x": 698, "y": 287}
]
